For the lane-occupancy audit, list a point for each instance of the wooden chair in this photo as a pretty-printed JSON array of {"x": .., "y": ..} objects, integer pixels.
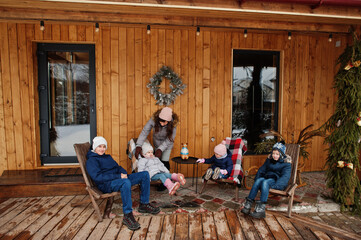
[
  {"x": 294, "y": 151},
  {"x": 237, "y": 147},
  {"x": 94, "y": 193}
]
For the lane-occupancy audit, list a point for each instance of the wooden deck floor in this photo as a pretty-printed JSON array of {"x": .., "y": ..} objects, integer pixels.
[{"x": 54, "y": 218}]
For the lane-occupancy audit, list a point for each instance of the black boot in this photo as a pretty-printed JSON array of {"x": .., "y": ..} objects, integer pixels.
[
  {"x": 161, "y": 188},
  {"x": 247, "y": 206},
  {"x": 259, "y": 210},
  {"x": 130, "y": 221}
]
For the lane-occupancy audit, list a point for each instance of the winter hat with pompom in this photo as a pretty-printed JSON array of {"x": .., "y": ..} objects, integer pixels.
[{"x": 221, "y": 149}]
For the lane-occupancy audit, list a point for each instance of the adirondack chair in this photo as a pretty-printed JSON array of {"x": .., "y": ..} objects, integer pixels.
[
  {"x": 237, "y": 148},
  {"x": 81, "y": 150},
  {"x": 294, "y": 151}
]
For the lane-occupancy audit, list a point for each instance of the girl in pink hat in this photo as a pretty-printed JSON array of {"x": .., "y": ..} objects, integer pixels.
[{"x": 221, "y": 161}]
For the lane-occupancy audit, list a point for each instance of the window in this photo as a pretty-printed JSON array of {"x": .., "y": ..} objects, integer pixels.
[
  {"x": 66, "y": 98},
  {"x": 255, "y": 95}
]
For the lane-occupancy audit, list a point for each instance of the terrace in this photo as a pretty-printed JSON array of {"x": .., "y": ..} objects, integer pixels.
[{"x": 212, "y": 215}]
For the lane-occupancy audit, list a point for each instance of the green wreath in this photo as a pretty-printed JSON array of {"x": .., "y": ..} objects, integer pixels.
[{"x": 176, "y": 86}]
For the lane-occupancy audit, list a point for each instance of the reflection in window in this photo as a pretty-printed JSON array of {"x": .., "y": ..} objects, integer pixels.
[
  {"x": 255, "y": 94},
  {"x": 69, "y": 101}
]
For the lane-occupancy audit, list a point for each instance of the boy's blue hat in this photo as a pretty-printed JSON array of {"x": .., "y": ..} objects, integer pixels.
[{"x": 280, "y": 147}]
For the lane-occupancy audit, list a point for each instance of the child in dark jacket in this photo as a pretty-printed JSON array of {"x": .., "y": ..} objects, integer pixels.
[
  {"x": 157, "y": 170},
  {"x": 110, "y": 177},
  {"x": 274, "y": 173},
  {"x": 221, "y": 161}
]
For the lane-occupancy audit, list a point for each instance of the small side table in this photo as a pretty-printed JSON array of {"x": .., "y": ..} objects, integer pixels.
[{"x": 190, "y": 160}]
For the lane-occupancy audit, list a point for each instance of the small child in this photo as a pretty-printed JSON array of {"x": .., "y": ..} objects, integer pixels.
[
  {"x": 221, "y": 161},
  {"x": 274, "y": 173},
  {"x": 157, "y": 170}
]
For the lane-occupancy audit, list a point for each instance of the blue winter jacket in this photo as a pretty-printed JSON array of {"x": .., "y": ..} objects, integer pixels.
[
  {"x": 224, "y": 163},
  {"x": 103, "y": 169},
  {"x": 278, "y": 170}
]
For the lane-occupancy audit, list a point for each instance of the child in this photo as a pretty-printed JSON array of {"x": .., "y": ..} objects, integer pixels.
[
  {"x": 157, "y": 170},
  {"x": 110, "y": 177},
  {"x": 221, "y": 161},
  {"x": 274, "y": 173}
]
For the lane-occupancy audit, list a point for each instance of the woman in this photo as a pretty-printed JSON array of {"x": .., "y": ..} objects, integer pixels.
[{"x": 163, "y": 123}]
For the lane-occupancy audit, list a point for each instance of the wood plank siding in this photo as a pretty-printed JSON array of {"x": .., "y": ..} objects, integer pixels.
[{"x": 126, "y": 57}]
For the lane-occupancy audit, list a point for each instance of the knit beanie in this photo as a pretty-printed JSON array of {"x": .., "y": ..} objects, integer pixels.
[
  {"x": 221, "y": 149},
  {"x": 166, "y": 114},
  {"x": 146, "y": 147},
  {"x": 281, "y": 148},
  {"x": 99, "y": 141}
]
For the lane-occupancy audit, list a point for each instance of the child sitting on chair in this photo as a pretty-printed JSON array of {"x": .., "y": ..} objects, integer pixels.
[
  {"x": 274, "y": 173},
  {"x": 110, "y": 177},
  {"x": 221, "y": 161},
  {"x": 157, "y": 170}
]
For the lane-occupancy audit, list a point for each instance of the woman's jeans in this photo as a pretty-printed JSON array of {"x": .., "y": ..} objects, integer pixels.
[
  {"x": 264, "y": 186},
  {"x": 123, "y": 185},
  {"x": 161, "y": 176}
]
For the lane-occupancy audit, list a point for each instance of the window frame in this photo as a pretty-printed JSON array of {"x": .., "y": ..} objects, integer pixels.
[{"x": 42, "y": 49}]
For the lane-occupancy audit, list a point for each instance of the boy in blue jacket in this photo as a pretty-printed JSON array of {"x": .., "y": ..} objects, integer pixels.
[
  {"x": 221, "y": 161},
  {"x": 110, "y": 177},
  {"x": 274, "y": 173}
]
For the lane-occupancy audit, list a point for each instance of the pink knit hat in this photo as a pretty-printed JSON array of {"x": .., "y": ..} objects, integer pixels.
[
  {"x": 166, "y": 114},
  {"x": 221, "y": 149}
]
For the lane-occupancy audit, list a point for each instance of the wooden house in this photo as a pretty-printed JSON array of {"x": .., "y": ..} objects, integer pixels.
[{"x": 121, "y": 44}]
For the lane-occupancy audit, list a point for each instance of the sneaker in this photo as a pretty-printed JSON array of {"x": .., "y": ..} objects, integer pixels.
[
  {"x": 130, "y": 221},
  {"x": 208, "y": 174},
  {"x": 215, "y": 176},
  {"x": 148, "y": 208}
]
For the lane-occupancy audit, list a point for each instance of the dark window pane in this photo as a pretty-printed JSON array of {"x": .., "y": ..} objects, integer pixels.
[{"x": 255, "y": 94}]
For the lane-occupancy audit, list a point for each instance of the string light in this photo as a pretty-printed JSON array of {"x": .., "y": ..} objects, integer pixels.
[
  {"x": 96, "y": 27},
  {"x": 289, "y": 35},
  {"x": 330, "y": 37},
  {"x": 245, "y": 33},
  {"x": 42, "y": 27},
  {"x": 198, "y": 31},
  {"x": 148, "y": 29}
]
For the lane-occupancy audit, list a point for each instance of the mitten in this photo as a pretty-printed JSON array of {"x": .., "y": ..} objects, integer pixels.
[
  {"x": 138, "y": 150},
  {"x": 224, "y": 171},
  {"x": 158, "y": 153},
  {"x": 201, "y": 160}
]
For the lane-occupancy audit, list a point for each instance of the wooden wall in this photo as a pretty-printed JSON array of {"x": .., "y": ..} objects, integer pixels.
[{"x": 126, "y": 57}]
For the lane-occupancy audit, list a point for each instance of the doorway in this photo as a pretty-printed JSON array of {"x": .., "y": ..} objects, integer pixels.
[{"x": 66, "y": 99}]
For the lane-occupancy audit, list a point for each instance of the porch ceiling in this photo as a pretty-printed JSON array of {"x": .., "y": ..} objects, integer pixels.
[{"x": 191, "y": 12}]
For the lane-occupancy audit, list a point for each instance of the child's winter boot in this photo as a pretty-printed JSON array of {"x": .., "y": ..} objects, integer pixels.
[
  {"x": 208, "y": 174},
  {"x": 247, "y": 206},
  {"x": 216, "y": 173},
  {"x": 172, "y": 187},
  {"x": 259, "y": 210},
  {"x": 179, "y": 178}
]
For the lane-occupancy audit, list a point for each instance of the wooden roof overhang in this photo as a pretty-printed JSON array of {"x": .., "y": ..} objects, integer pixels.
[{"x": 236, "y": 14}]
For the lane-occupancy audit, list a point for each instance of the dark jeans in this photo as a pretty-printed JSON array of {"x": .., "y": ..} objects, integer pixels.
[
  {"x": 123, "y": 185},
  {"x": 264, "y": 186}
]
